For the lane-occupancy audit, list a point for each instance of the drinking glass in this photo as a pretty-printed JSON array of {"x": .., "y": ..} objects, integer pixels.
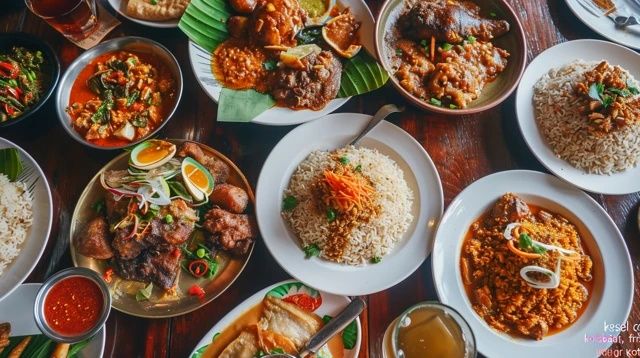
[{"x": 75, "y": 19}]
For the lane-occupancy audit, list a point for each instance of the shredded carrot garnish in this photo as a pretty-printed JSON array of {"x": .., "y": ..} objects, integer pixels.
[
  {"x": 347, "y": 190},
  {"x": 432, "y": 48}
]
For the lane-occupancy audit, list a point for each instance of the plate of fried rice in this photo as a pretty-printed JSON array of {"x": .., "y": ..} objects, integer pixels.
[
  {"x": 534, "y": 265},
  {"x": 343, "y": 219},
  {"x": 26, "y": 212},
  {"x": 578, "y": 108}
]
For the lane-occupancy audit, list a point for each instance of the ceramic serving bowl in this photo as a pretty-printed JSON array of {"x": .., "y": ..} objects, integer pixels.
[
  {"x": 129, "y": 43},
  {"x": 495, "y": 92},
  {"x": 50, "y": 68}
]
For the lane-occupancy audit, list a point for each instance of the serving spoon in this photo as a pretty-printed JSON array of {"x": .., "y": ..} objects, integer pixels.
[
  {"x": 337, "y": 324},
  {"x": 380, "y": 115}
]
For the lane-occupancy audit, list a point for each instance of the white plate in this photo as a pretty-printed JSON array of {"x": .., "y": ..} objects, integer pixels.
[
  {"x": 279, "y": 116},
  {"x": 589, "y": 50},
  {"x": 613, "y": 275},
  {"x": 331, "y": 305},
  {"x": 17, "y": 309},
  {"x": 33, "y": 246},
  {"x": 121, "y": 7},
  {"x": 606, "y": 27},
  {"x": 332, "y": 132}
]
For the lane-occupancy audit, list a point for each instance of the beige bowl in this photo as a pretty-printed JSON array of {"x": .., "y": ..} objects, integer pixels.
[{"x": 495, "y": 92}]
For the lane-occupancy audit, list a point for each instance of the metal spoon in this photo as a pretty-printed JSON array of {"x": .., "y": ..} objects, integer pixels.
[
  {"x": 329, "y": 330},
  {"x": 382, "y": 113}
]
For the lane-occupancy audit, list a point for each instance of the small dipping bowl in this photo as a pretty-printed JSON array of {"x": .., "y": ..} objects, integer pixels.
[
  {"x": 72, "y": 305},
  {"x": 439, "y": 328}
]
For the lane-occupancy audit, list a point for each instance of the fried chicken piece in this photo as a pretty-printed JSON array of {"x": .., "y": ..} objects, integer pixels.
[
  {"x": 449, "y": 21},
  {"x": 276, "y": 22},
  {"x": 219, "y": 169},
  {"x": 93, "y": 240},
  {"x": 233, "y": 232},
  {"x": 230, "y": 197}
]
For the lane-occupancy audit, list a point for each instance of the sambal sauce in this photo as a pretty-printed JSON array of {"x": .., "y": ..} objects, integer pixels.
[{"x": 73, "y": 305}]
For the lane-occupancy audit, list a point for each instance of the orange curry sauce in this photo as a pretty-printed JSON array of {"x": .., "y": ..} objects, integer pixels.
[
  {"x": 73, "y": 305},
  {"x": 80, "y": 92}
]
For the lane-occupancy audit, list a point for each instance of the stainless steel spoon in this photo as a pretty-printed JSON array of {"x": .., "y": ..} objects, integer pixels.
[
  {"x": 382, "y": 113},
  {"x": 337, "y": 324}
]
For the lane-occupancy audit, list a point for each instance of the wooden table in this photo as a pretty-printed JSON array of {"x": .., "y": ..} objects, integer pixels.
[{"x": 464, "y": 150}]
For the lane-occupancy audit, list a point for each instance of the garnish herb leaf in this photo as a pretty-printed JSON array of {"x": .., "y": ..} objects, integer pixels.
[
  {"x": 376, "y": 259},
  {"x": 358, "y": 168},
  {"x": 344, "y": 160},
  {"x": 349, "y": 335},
  {"x": 311, "y": 251},
  {"x": 310, "y": 35},
  {"x": 595, "y": 90},
  {"x": 289, "y": 203},
  {"x": 145, "y": 293},
  {"x": 471, "y": 39},
  {"x": 326, "y": 319},
  {"x": 526, "y": 242},
  {"x": 99, "y": 207},
  {"x": 270, "y": 65},
  {"x": 331, "y": 214},
  {"x": 435, "y": 102},
  {"x": 447, "y": 46}
]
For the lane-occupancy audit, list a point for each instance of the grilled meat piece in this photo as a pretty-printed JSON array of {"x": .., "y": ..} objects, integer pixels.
[
  {"x": 511, "y": 208},
  {"x": 276, "y": 22},
  {"x": 5, "y": 332},
  {"x": 230, "y": 197},
  {"x": 219, "y": 169},
  {"x": 159, "y": 232},
  {"x": 94, "y": 240},
  {"x": 158, "y": 265},
  {"x": 309, "y": 88},
  {"x": 449, "y": 21},
  {"x": 115, "y": 209},
  {"x": 233, "y": 232}
]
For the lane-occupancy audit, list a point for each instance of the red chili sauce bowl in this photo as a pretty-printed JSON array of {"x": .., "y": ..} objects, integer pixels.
[{"x": 72, "y": 305}]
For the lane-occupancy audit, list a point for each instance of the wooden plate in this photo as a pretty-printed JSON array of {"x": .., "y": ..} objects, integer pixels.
[{"x": 229, "y": 267}]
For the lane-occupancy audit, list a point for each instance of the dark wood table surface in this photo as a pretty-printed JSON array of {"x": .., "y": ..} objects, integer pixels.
[{"x": 463, "y": 149}]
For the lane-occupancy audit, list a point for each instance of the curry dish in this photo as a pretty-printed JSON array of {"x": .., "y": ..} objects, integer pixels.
[
  {"x": 121, "y": 97},
  {"x": 442, "y": 51},
  {"x": 525, "y": 269},
  {"x": 276, "y": 47}
]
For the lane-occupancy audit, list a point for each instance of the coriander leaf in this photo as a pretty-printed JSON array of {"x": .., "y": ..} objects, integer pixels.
[
  {"x": 446, "y": 46},
  {"x": 277, "y": 350},
  {"x": 289, "y": 203},
  {"x": 331, "y": 214},
  {"x": 435, "y": 102},
  {"x": 270, "y": 65},
  {"x": 607, "y": 101},
  {"x": 525, "y": 241},
  {"x": 344, "y": 160},
  {"x": 358, "y": 168},
  {"x": 539, "y": 249},
  {"x": 471, "y": 39},
  {"x": 624, "y": 92},
  {"x": 376, "y": 259},
  {"x": 99, "y": 207},
  {"x": 398, "y": 52},
  {"x": 595, "y": 90},
  {"x": 326, "y": 319},
  {"x": 453, "y": 106},
  {"x": 493, "y": 14},
  {"x": 311, "y": 251}
]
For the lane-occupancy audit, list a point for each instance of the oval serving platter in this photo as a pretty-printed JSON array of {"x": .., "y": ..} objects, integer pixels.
[
  {"x": 228, "y": 270},
  {"x": 330, "y": 305}
]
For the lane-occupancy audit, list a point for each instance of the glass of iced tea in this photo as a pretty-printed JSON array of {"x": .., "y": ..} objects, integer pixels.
[
  {"x": 75, "y": 19},
  {"x": 431, "y": 330}
]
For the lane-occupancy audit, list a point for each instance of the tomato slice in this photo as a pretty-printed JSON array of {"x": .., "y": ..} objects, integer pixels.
[{"x": 304, "y": 301}]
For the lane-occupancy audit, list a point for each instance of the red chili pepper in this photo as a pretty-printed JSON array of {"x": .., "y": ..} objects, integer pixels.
[
  {"x": 107, "y": 275},
  {"x": 7, "y": 69},
  {"x": 176, "y": 252},
  {"x": 9, "y": 109},
  {"x": 198, "y": 267},
  {"x": 15, "y": 92},
  {"x": 197, "y": 291},
  {"x": 304, "y": 301}
]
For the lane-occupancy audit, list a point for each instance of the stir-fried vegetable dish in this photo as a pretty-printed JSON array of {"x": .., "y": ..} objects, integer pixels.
[
  {"x": 20, "y": 81},
  {"x": 121, "y": 97}
]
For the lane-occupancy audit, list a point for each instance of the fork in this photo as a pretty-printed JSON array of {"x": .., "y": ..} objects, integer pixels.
[
  {"x": 619, "y": 20},
  {"x": 30, "y": 177}
]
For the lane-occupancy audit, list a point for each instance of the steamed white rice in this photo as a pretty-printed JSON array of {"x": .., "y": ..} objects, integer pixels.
[
  {"x": 368, "y": 240},
  {"x": 15, "y": 219},
  {"x": 566, "y": 130}
]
